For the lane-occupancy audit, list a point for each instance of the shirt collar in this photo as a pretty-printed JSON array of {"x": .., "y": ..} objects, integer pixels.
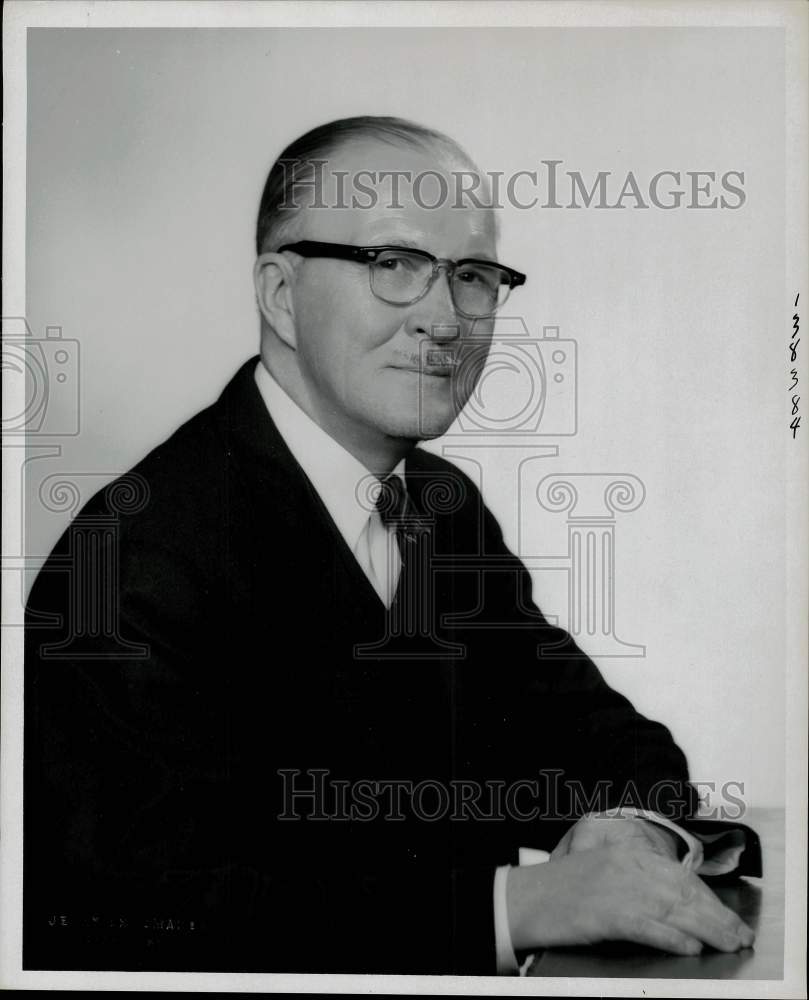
[{"x": 334, "y": 472}]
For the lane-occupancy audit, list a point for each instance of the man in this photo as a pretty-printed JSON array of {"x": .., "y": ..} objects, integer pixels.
[{"x": 303, "y": 619}]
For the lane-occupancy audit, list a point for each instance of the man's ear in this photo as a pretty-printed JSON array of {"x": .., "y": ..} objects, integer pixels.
[{"x": 273, "y": 277}]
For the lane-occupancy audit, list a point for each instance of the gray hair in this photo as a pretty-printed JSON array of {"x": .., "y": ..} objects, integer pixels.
[{"x": 299, "y": 160}]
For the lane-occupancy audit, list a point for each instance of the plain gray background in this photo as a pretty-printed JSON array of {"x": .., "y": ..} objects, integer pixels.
[{"x": 147, "y": 152}]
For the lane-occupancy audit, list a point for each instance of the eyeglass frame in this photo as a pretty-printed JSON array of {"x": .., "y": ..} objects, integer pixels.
[{"x": 368, "y": 255}]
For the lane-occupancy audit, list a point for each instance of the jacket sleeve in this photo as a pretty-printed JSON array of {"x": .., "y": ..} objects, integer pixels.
[
  {"x": 590, "y": 746},
  {"x": 124, "y": 757},
  {"x": 147, "y": 842},
  {"x": 562, "y": 722}
]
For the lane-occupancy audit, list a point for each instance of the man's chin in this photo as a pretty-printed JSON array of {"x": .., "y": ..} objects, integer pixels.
[
  {"x": 417, "y": 416},
  {"x": 433, "y": 421},
  {"x": 430, "y": 432},
  {"x": 424, "y": 427}
]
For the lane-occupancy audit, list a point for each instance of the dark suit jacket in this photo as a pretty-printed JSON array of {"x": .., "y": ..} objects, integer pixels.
[{"x": 194, "y": 635}]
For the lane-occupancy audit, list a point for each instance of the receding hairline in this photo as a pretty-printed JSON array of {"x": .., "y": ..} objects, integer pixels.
[
  {"x": 432, "y": 143},
  {"x": 396, "y": 133}
]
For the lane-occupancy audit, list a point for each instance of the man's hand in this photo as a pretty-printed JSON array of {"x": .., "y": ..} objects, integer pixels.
[
  {"x": 602, "y": 831},
  {"x": 618, "y": 893}
]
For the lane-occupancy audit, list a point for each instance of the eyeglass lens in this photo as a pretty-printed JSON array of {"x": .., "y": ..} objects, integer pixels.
[{"x": 400, "y": 277}]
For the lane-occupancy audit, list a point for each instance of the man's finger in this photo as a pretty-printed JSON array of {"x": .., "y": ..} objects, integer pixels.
[
  {"x": 717, "y": 933},
  {"x": 656, "y": 934},
  {"x": 708, "y": 903},
  {"x": 700, "y": 913}
]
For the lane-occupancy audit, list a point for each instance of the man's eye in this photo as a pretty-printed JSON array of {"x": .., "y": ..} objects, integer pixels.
[
  {"x": 469, "y": 276},
  {"x": 389, "y": 263}
]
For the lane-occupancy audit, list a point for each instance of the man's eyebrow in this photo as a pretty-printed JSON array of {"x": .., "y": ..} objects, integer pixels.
[
  {"x": 397, "y": 241},
  {"x": 408, "y": 244}
]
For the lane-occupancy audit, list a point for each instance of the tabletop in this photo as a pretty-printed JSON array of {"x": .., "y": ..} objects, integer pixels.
[{"x": 759, "y": 902}]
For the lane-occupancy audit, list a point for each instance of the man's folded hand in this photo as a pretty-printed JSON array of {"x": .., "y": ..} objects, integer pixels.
[
  {"x": 619, "y": 892},
  {"x": 601, "y": 831}
]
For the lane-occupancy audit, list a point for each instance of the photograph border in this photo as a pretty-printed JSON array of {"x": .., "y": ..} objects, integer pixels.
[{"x": 794, "y": 18}]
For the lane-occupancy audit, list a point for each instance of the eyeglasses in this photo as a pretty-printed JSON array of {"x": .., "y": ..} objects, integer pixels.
[{"x": 401, "y": 276}]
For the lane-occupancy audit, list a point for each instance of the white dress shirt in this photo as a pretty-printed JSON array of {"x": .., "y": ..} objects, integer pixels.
[{"x": 344, "y": 485}]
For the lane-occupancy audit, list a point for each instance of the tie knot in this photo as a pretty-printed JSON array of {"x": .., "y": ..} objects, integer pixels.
[{"x": 392, "y": 501}]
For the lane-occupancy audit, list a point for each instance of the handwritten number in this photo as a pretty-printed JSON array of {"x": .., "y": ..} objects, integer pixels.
[{"x": 793, "y": 357}]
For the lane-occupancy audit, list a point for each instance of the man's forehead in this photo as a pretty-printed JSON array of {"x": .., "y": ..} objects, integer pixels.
[
  {"x": 447, "y": 232},
  {"x": 384, "y": 154},
  {"x": 370, "y": 192}
]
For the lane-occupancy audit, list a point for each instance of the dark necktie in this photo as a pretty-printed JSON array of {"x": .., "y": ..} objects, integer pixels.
[
  {"x": 411, "y": 632},
  {"x": 397, "y": 511},
  {"x": 394, "y": 507}
]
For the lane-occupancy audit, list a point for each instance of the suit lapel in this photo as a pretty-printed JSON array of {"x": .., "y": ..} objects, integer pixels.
[
  {"x": 294, "y": 526},
  {"x": 293, "y": 516}
]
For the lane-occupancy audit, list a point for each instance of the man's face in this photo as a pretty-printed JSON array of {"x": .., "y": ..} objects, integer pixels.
[{"x": 362, "y": 360}]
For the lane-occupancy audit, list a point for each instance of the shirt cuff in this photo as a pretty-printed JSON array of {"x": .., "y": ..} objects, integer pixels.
[
  {"x": 725, "y": 850},
  {"x": 693, "y": 856},
  {"x": 507, "y": 964},
  {"x": 708, "y": 854}
]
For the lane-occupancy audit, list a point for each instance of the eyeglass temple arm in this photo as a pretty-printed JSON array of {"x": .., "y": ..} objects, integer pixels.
[
  {"x": 512, "y": 278},
  {"x": 314, "y": 248},
  {"x": 342, "y": 251}
]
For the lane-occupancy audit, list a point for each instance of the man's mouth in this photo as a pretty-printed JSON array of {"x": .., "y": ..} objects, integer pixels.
[
  {"x": 435, "y": 362},
  {"x": 438, "y": 360}
]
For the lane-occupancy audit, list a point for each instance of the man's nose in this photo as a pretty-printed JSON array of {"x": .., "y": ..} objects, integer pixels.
[{"x": 435, "y": 315}]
